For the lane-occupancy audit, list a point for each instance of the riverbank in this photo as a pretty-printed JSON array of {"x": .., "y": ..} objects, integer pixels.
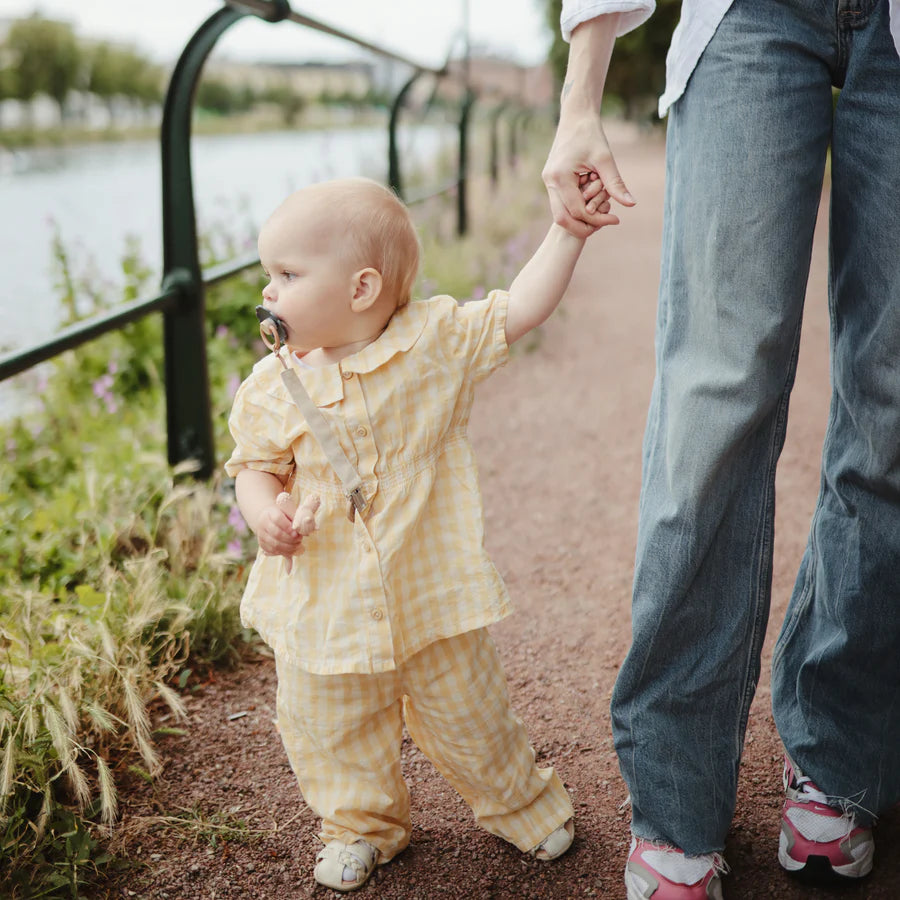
[{"x": 314, "y": 118}]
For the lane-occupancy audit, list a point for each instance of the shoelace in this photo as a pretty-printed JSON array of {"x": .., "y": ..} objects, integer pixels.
[
  {"x": 805, "y": 786},
  {"x": 810, "y": 793}
]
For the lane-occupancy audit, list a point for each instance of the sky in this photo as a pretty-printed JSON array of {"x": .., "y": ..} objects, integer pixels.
[{"x": 421, "y": 32}]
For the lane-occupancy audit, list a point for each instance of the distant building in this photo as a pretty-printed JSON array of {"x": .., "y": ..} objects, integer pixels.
[
  {"x": 309, "y": 79},
  {"x": 495, "y": 76},
  {"x": 490, "y": 76},
  {"x": 494, "y": 79}
]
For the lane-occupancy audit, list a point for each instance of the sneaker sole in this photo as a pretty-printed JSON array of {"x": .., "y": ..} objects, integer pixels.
[
  {"x": 633, "y": 892},
  {"x": 819, "y": 868}
]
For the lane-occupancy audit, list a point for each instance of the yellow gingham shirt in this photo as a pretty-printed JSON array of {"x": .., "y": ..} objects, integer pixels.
[{"x": 367, "y": 595}]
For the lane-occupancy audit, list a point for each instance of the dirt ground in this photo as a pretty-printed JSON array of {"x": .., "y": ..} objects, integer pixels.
[{"x": 558, "y": 435}]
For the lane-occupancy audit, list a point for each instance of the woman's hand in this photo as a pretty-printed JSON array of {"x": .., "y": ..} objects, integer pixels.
[
  {"x": 580, "y": 149},
  {"x": 581, "y": 153}
]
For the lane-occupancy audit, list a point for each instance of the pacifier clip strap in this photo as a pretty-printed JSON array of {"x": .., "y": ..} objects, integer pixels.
[{"x": 352, "y": 483}]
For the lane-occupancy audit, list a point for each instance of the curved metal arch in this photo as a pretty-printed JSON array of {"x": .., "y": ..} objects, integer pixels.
[
  {"x": 188, "y": 408},
  {"x": 395, "y": 180}
]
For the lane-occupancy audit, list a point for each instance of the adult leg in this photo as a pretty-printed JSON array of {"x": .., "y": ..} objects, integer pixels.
[
  {"x": 836, "y": 671},
  {"x": 745, "y": 157},
  {"x": 458, "y": 713},
  {"x": 342, "y": 734}
]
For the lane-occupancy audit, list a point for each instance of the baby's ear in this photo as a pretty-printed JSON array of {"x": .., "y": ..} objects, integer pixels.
[{"x": 367, "y": 285}]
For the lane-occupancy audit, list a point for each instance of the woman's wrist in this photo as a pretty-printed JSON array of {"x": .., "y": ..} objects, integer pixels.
[{"x": 590, "y": 50}]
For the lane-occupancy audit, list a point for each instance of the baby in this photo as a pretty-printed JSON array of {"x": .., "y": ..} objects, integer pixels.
[{"x": 383, "y": 619}]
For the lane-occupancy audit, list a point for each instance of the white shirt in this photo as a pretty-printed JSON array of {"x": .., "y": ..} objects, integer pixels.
[{"x": 699, "y": 20}]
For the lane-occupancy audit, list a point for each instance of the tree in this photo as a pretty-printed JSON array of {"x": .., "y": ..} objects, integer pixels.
[
  {"x": 224, "y": 99},
  {"x": 7, "y": 88},
  {"x": 122, "y": 71},
  {"x": 105, "y": 71},
  {"x": 290, "y": 102},
  {"x": 46, "y": 58},
  {"x": 146, "y": 82}
]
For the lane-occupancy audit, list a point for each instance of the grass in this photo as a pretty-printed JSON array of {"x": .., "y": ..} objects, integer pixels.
[
  {"x": 121, "y": 577},
  {"x": 194, "y": 824}
]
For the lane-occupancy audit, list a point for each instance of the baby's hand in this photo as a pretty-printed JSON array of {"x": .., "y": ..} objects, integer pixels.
[
  {"x": 281, "y": 527},
  {"x": 304, "y": 520},
  {"x": 276, "y": 534},
  {"x": 595, "y": 195}
]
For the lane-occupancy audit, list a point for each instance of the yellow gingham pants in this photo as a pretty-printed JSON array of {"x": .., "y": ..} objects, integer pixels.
[{"x": 342, "y": 734}]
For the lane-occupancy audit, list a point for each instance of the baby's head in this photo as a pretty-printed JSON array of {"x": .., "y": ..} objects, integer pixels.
[{"x": 341, "y": 257}]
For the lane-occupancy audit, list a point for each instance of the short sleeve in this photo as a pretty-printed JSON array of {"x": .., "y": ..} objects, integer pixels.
[
  {"x": 476, "y": 331},
  {"x": 258, "y": 435}
]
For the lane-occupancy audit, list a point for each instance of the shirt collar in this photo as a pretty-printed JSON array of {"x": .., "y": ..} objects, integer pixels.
[{"x": 325, "y": 384}]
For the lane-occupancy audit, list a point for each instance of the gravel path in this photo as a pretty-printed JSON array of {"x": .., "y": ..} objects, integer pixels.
[{"x": 558, "y": 435}]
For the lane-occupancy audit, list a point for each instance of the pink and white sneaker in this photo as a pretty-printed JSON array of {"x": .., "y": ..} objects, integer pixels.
[
  {"x": 662, "y": 872},
  {"x": 818, "y": 839}
]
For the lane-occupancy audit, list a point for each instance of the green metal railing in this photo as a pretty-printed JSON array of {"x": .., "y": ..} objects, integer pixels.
[{"x": 182, "y": 299}]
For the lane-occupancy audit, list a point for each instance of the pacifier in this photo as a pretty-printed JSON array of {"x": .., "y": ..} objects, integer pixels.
[{"x": 272, "y": 330}]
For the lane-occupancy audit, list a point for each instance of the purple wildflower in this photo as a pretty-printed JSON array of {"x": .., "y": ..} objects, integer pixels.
[
  {"x": 236, "y": 520},
  {"x": 101, "y": 386},
  {"x": 102, "y": 389}
]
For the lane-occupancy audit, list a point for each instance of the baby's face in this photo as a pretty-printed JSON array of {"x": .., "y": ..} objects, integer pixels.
[{"x": 310, "y": 286}]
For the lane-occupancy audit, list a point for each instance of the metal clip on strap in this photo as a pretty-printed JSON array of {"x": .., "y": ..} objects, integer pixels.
[
  {"x": 352, "y": 483},
  {"x": 357, "y": 501}
]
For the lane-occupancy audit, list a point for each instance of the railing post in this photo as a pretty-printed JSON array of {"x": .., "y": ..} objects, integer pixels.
[
  {"x": 495, "y": 144},
  {"x": 394, "y": 178},
  {"x": 462, "y": 214},
  {"x": 525, "y": 119},
  {"x": 513, "y": 143},
  {"x": 188, "y": 412}
]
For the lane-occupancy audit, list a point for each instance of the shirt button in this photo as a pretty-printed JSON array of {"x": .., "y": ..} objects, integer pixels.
[
  {"x": 377, "y": 614},
  {"x": 361, "y": 431},
  {"x": 367, "y": 547},
  {"x": 346, "y": 375}
]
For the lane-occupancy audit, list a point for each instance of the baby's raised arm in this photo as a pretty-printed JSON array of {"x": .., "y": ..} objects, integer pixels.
[{"x": 538, "y": 288}]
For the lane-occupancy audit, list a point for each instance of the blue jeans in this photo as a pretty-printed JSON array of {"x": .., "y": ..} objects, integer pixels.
[{"x": 746, "y": 156}]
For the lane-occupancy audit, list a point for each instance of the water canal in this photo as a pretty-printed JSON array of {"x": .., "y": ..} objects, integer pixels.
[{"x": 101, "y": 195}]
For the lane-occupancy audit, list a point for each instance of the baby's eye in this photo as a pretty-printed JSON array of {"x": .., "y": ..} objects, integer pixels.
[{"x": 289, "y": 276}]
